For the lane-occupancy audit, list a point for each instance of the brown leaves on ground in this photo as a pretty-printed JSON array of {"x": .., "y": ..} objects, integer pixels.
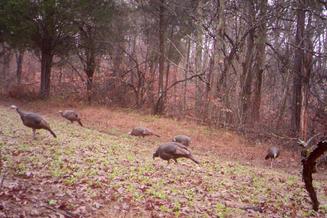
[{"x": 100, "y": 170}]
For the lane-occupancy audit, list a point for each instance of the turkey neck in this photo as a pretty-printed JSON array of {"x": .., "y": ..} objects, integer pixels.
[{"x": 21, "y": 113}]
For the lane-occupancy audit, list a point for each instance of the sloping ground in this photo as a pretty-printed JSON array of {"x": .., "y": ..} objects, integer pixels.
[
  {"x": 225, "y": 144},
  {"x": 100, "y": 171}
]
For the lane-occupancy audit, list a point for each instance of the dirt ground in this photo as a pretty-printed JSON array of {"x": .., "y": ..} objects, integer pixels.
[{"x": 101, "y": 171}]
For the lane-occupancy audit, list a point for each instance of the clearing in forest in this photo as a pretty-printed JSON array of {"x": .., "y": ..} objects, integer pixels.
[{"x": 101, "y": 171}]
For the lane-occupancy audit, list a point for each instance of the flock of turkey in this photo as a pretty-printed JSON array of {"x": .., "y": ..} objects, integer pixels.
[{"x": 178, "y": 148}]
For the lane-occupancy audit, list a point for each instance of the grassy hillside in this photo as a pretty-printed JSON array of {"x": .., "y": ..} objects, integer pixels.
[{"x": 101, "y": 170}]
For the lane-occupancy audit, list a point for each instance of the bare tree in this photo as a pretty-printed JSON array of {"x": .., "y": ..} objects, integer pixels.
[
  {"x": 260, "y": 46},
  {"x": 247, "y": 73},
  {"x": 298, "y": 66}
]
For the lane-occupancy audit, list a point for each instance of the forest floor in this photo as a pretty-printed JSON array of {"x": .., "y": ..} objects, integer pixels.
[{"x": 100, "y": 171}]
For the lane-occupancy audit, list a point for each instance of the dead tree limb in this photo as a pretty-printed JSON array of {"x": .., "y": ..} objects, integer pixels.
[{"x": 309, "y": 164}]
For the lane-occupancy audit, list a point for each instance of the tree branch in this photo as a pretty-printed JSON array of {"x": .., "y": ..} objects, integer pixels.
[{"x": 309, "y": 164}]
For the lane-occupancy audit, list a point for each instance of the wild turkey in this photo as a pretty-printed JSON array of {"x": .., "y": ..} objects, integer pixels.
[
  {"x": 272, "y": 153},
  {"x": 33, "y": 120},
  {"x": 173, "y": 150},
  {"x": 183, "y": 139},
  {"x": 141, "y": 131},
  {"x": 71, "y": 115}
]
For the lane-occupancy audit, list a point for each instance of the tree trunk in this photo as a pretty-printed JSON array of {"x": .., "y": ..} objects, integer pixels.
[
  {"x": 260, "y": 60},
  {"x": 211, "y": 84},
  {"x": 247, "y": 75},
  {"x": 152, "y": 72},
  {"x": 307, "y": 68},
  {"x": 198, "y": 65},
  {"x": 185, "y": 74},
  {"x": 168, "y": 65},
  {"x": 46, "y": 64},
  {"x": 215, "y": 61},
  {"x": 6, "y": 57},
  {"x": 298, "y": 69},
  {"x": 90, "y": 69},
  {"x": 116, "y": 82},
  {"x": 309, "y": 164},
  {"x": 160, "y": 104},
  {"x": 198, "y": 70},
  {"x": 282, "y": 106},
  {"x": 303, "y": 131},
  {"x": 19, "y": 61}
]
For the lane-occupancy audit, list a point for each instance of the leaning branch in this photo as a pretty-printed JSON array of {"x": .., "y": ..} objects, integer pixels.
[
  {"x": 309, "y": 164},
  {"x": 177, "y": 82},
  {"x": 183, "y": 80}
]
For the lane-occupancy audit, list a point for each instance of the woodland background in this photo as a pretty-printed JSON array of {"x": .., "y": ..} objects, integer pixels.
[{"x": 253, "y": 65}]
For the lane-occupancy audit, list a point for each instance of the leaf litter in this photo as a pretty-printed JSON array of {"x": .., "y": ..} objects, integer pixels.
[{"x": 87, "y": 173}]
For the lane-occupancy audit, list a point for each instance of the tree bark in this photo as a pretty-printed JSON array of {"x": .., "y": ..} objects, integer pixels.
[
  {"x": 19, "y": 62},
  {"x": 6, "y": 57},
  {"x": 282, "y": 106},
  {"x": 185, "y": 75},
  {"x": 152, "y": 72},
  {"x": 160, "y": 104},
  {"x": 198, "y": 70},
  {"x": 198, "y": 64},
  {"x": 90, "y": 69},
  {"x": 215, "y": 61},
  {"x": 309, "y": 164},
  {"x": 88, "y": 57},
  {"x": 307, "y": 64},
  {"x": 298, "y": 69},
  {"x": 247, "y": 75},
  {"x": 260, "y": 60},
  {"x": 46, "y": 64},
  {"x": 168, "y": 65}
]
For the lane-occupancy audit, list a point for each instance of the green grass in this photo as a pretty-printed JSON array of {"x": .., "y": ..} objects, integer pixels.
[{"x": 93, "y": 167}]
